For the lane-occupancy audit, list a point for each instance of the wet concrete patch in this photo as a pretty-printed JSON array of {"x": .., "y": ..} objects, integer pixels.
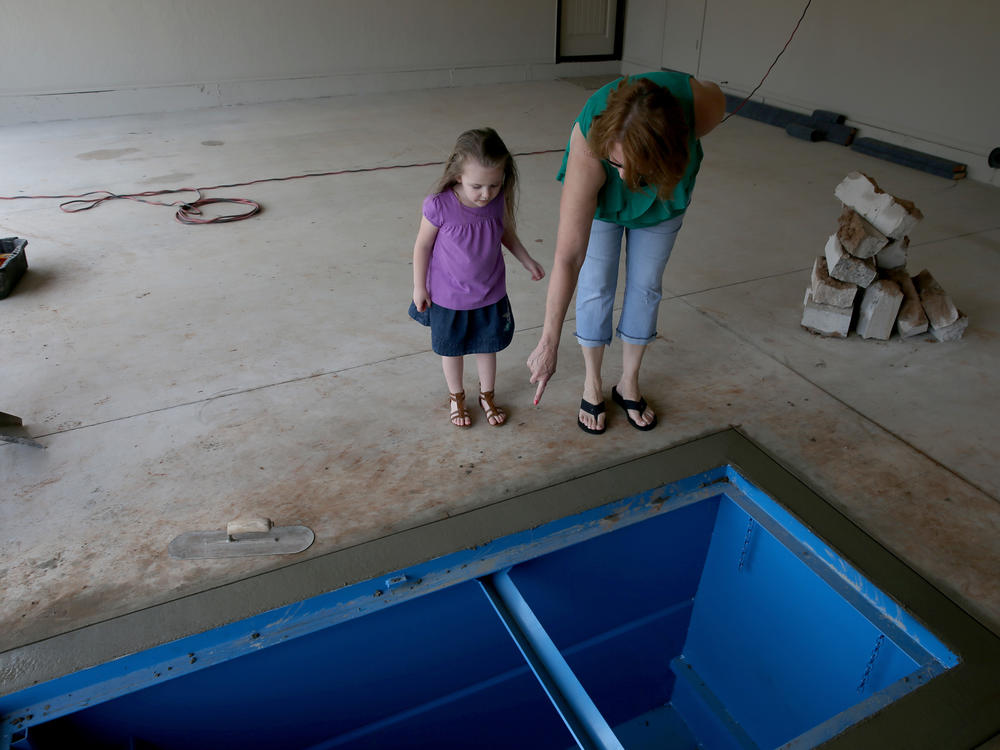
[
  {"x": 173, "y": 177},
  {"x": 107, "y": 153}
]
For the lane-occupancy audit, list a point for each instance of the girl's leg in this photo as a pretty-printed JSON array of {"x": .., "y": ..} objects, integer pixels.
[
  {"x": 646, "y": 254},
  {"x": 454, "y": 368},
  {"x": 593, "y": 387},
  {"x": 453, "y": 371},
  {"x": 487, "y": 366}
]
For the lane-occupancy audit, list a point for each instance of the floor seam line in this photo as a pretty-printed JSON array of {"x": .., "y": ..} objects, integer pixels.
[
  {"x": 843, "y": 403},
  {"x": 222, "y": 395},
  {"x": 954, "y": 237},
  {"x": 684, "y": 295}
]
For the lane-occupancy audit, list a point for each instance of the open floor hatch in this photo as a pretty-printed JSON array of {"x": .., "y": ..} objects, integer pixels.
[{"x": 701, "y": 613}]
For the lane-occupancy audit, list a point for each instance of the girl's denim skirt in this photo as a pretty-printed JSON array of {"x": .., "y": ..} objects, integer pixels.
[{"x": 455, "y": 333}]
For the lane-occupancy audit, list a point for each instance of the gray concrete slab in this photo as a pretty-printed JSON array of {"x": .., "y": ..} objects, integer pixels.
[
  {"x": 935, "y": 396},
  {"x": 181, "y": 376}
]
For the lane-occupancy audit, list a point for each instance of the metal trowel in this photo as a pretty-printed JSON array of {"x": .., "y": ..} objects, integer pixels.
[
  {"x": 9, "y": 420},
  {"x": 242, "y": 537}
]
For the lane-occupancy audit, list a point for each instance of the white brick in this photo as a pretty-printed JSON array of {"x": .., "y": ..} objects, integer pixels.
[
  {"x": 890, "y": 215},
  {"x": 941, "y": 311},
  {"x": 911, "y": 319},
  {"x": 878, "y": 309},
  {"x": 827, "y": 290},
  {"x": 894, "y": 254},
  {"x": 845, "y": 267},
  {"x": 857, "y": 236},
  {"x": 826, "y": 320},
  {"x": 954, "y": 331}
]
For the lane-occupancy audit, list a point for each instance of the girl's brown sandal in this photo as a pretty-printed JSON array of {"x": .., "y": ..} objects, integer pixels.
[
  {"x": 495, "y": 415},
  {"x": 458, "y": 410}
]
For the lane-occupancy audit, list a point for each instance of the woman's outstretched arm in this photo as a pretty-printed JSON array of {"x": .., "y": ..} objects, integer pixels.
[{"x": 583, "y": 180}]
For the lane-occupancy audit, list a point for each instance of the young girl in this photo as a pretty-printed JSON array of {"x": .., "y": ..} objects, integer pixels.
[{"x": 459, "y": 283}]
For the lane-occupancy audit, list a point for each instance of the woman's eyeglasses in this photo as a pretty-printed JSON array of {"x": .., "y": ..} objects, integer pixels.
[{"x": 617, "y": 165}]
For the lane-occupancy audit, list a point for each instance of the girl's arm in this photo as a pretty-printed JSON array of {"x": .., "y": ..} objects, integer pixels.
[
  {"x": 421, "y": 258},
  {"x": 512, "y": 242},
  {"x": 583, "y": 181}
]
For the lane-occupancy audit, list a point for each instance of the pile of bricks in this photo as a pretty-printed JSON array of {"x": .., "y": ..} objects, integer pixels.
[{"x": 869, "y": 251}]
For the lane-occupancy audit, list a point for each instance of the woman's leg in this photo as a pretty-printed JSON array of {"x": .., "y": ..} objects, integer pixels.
[
  {"x": 453, "y": 371},
  {"x": 596, "y": 285},
  {"x": 628, "y": 386},
  {"x": 646, "y": 254},
  {"x": 593, "y": 387},
  {"x": 595, "y": 299}
]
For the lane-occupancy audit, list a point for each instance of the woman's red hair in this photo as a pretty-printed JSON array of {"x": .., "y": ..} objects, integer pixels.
[{"x": 648, "y": 122}]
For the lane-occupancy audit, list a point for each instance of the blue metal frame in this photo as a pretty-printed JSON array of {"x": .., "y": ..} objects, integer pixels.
[
  {"x": 89, "y": 687},
  {"x": 584, "y": 721},
  {"x": 885, "y": 613},
  {"x": 490, "y": 565}
]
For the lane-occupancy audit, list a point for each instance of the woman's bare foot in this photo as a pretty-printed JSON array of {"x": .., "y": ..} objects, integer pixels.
[
  {"x": 637, "y": 411},
  {"x": 588, "y": 419}
]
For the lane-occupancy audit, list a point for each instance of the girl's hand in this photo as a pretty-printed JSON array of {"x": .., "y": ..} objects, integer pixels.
[
  {"x": 534, "y": 268},
  {"x": 421, "y": 298}
]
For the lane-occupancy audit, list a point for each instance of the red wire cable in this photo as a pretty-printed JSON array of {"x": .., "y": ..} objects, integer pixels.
[
  {"x": 791, "y": 36},
  {"x": 189, "y": 212}
]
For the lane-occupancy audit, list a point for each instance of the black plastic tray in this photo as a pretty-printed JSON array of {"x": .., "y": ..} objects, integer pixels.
[{"x": 13, "y": 263}]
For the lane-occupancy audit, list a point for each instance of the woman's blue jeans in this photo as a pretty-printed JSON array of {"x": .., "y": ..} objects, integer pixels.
[{"x": 647, "y": 251}]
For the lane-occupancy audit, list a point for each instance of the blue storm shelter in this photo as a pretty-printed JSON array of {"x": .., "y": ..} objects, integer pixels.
[{"x": 700, "y": 597}]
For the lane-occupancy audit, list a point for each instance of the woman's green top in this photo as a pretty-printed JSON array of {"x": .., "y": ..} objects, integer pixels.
[{"x": 635, "y": 209}]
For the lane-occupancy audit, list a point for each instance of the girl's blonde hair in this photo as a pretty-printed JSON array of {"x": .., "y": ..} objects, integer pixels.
[
  {"x": 486, "y": 147},
  {"x": 647, "y": 120}
]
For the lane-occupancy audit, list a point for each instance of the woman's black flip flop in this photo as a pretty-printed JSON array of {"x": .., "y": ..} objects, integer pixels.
[
  {"x": 639, "y": 406},
  {"x": 596, "y": 410}
]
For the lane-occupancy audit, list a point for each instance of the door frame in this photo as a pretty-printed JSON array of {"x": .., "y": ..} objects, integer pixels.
[{"x": 619, "y": 37}]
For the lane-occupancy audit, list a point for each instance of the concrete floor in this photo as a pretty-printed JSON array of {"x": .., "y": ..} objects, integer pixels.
[{"x": 181, "y": 376}]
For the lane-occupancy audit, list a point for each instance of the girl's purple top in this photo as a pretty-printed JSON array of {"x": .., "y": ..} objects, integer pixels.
[{"x": 466, "y": 269}]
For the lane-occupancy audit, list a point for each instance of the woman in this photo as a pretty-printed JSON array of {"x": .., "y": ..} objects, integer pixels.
[{"x": 630, "y": 168}]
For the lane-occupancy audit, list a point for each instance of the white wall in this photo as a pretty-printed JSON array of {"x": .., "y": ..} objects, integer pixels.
[
  {"x": 919, "y": 73},
  {"x": 78, "y": 58}
]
